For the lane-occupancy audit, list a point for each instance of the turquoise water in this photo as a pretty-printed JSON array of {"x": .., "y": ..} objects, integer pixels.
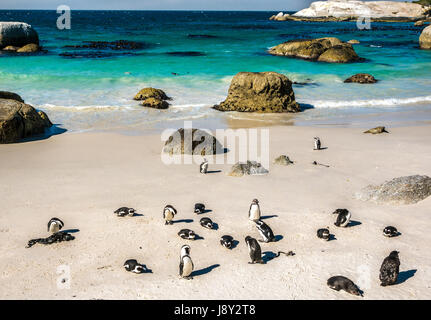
[{"x": 87, "y": 93}]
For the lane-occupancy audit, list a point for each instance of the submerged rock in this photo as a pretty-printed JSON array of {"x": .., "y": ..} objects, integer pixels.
[
  {"x": 425, "y": 38},
  {"x": 249, "y": 168},
  {"x": 361, "y": 78},
  {"x": 110, "y": 45},
  {"x": 260, "y": 92},
  {"x": 377, "y": 130},
  {"x": 155, "y": 103},
  {"x": 282, "y": 160},
  {"x": 19, "y": 120},
  {"x": 353, "y": 41},
  {"x": 192, "y": 141},
  {"x": 17, "y": 34},
  {"x": 403, "y": 190}
]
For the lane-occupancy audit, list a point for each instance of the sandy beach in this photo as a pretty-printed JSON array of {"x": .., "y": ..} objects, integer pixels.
[{"x": 82, "y": 178}]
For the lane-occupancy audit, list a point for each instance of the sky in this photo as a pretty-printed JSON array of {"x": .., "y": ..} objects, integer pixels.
[{"x": 259, "y": 5}]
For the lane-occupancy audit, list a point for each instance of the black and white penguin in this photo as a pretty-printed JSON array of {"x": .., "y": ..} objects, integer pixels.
[
  {"x": 124, "y": 211},
  {"x": 254, "y": 250},
  {"x": 199, "y": 208},
  {"x": 390, "y": 232},
  {"x": 206, "y": 223},
  {"x": 342, "y": 283},
  {"x": 265, "y": 231},
  {"x": 203, "y": 168},
  {"x": 133, "y": 266},
  {"x": 390, "y": 269},
  {"x": 186, "y": 263},
  {"x": 317, "y": 143},
  {"x": 343, "y": 217},
  {"x": 168, "y": 214},
  {"x": 55, "y": 225},
  {"x": 254, "y": 211},
  {"x": 323, "y": 234},
  {"x": 187, "y": 234},
  {"x": 226, "y": 241}
]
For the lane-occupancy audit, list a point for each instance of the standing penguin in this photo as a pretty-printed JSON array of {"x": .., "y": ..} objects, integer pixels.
[
  {"x": 203, "y": 168},
  {"x": 254, "y": 211},
  {"x": 168, "y": 214},
  {"x": 265, "y": 231},
  {"x": 317, "y": 143},
  {"x": 390, "y": 269},
  {"x": 186, "y": 263},
  {"x": 55, "y": 225},
  {"x": 343, "y": 217},
  {"x": 254, "y": 250}
]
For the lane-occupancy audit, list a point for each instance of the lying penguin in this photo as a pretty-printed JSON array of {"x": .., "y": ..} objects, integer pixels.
[
  {"x": 186, "y": 263},
  {"x": 342, "y": 283},
  {"x": 187, "y": 234},
  {"x": 390, "y": 232},
  {"x": 343, "y": 217},
  {"x": 323, "y": 234},
  {"x": 125, "y": 211},
  {"x": 133, "y": 266},
  {"x": 226, "y": 241},
  {"x": 206, "y": 223},
  {"x": 199, "y": 208}
]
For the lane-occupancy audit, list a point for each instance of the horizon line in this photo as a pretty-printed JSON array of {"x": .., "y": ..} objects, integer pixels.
[{"x": 204, "y": 10}]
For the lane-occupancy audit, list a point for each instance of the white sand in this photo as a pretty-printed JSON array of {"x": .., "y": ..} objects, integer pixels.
[{"x": 83, "y": 178}]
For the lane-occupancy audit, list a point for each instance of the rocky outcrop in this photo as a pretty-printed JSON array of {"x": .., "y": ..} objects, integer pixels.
[
  {"x": 28, "y": 48},
  {"x": 10, "y": 95},
  {"x": 361, "y": 78},
  {"x": 353, "y": 41},
  {"x": 260, "y": 92},
  {"x": 354, "y": 9},
  {"x": 283, "y": 160},
  {"x": 152, "y": 98},
  {"x": 425, "y": 38},
  {"x": 17, "y": 34},
  {"x": 192, "y": 141},
  {"x": 377, "y": 130},
  {"x": 249, "y": 168},
  {"x": 19, "y": 120},
  {"x": 280, "y": 17},
  {"x": 323, "y": 49},
  {"x": 403, "y": 190}
]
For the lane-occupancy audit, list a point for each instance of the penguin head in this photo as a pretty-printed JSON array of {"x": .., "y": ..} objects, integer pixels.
[
  {"x": 394, "y": 254},
  {"x": 185, "y": 250},
  {"x": 131, "y": 211},
  {"x": 255, "y": 201},
  {"x": 248, "y": 239}
]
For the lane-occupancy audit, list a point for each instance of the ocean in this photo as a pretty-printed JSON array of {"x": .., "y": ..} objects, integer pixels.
[{"x": 193, "y": 55}]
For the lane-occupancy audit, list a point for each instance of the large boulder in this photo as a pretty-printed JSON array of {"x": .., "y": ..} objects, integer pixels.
[
  {"x": 260, "y": 92},
  {"x": 10, "y": 95},
  {"x": 425, "y": 38},
  {"x": 17, "y": 34},
  {"x": 19, "y": 120},
  {"x": 28, "y": 48},
  {"x": 327, "y": 49},
  {"x": 151, "y": 93},
  {"x": 192, "y": 141},
  {"x": 248, "y": 168},
  {"x": 361, "y": 78},
  {"x": 403, "y": 190}
]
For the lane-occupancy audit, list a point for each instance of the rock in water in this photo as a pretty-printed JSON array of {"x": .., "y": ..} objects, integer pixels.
[
  {"x": 353, "y": 41},
  {"x": 192, "y": 141},
  {"x": 249, "y": 168},
  {"x": 151, "y": 93},
  {"x": 361, "y": 78},
  {"x": 155, "y": 103},
  {"x": 28, "y": 48},
  {"x": 403, "y": 190},
  {"x": 282, "y": 160},
  {"x": 10, "y": 95},
  {"x": 260, "y": 92},
  {"x": 377, "y": 130},
  {"x": 19, "y": 120},
  {"x": 327, "y": 49},
  {"x": 17, "y": 34},
  {"x": 425, "y": 38}
]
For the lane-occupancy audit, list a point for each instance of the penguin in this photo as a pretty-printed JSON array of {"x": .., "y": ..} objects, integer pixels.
[
  {"x": 342, "y": 283},
  {"x": 390, "y": 269},
  {"x": 124, "y": 211},
  {"x": 254, "y": 250},
  {"x": 206, "y": 223},
  {"x": 317, "y": 143},
  {"x": 203, "y": 168},
  {"x": 55, "y": 225},
  {"x": 226, "y": 241},
  {"x": 187, "y": 234},
  {"x": 343, "y": 217},
  {"x": 199, "y": 208},
  {"x": 323, "y": 234},
  {"x": 133, "y": 266},
  {"x": 186, "y": 263},
  {"x": 265, "y": 231},
  {"x": 254, "y": 211},
  {"x": 168, "y": 214},
  {"x": 390, "y": 232}
]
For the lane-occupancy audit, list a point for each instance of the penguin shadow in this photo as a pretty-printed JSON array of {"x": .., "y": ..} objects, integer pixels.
[
  {"x": 278, "y": 238},
  {"x": 138, "y": 214},
  {"x": 268, "y": 217},
  {"x": 183, "y": 221},
  {"x": 353, "y": 223},
  {"x": 268, "y": 256},
  {"x": 198, "y": 237},
  {"x": 70, "y": 231},
  {"x": 321, "y": 148},
  {"x": 146, "y": 270},
  {"x": 332, "y": 237},
  {"x": 214, "y": 171},
  {"x": 234, "y": 244},
  {"x": 215, "y": 226},
  {"x": 403, "y": 276},
  {"x": 206, "y": 211},
  {"x": 203, "y": 271}
]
